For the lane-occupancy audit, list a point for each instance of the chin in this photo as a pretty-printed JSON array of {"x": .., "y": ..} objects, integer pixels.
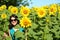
[{"x": 14, "y": 24}]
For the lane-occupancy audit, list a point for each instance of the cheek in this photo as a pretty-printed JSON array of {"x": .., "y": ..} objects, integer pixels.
[{"x": 14, "y": 22}]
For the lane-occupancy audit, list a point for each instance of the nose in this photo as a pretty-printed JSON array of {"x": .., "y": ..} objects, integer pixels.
[{"x": 13, "y": 21}]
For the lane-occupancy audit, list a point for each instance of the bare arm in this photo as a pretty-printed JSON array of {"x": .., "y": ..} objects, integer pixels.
[{"x": 9, "y": 34}]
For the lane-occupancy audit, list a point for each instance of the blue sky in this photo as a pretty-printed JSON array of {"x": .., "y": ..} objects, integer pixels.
[{"x": 43, "y": 2}]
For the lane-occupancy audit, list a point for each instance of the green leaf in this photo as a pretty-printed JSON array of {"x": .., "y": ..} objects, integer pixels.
[
  {"x": 59, "y": 15},
  {"x": 8, "y": 38},
  {"x": 1, "y": 33},
  {"x": 49, "y": 37},
  {"x": 46, "y": 29},
  {"x": 19, "y": 34},
  {"x": 31, "y": 32},
  {"x": 0, "y": 37},
  {"x": 17, "y": 26},
  {"x": 34, "y": 26}
]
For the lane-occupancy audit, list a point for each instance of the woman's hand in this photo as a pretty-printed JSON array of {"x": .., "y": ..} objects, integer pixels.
[{"x": 5, "y": 35}]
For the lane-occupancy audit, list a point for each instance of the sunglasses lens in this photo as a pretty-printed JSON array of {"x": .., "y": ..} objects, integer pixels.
[{"x": 13, "y": 20}]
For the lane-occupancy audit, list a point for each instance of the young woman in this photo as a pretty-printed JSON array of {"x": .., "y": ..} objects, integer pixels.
[{"x": 13, "y": 22}]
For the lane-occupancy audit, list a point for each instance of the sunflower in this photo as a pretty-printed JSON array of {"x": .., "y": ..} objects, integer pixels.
[
  {"x": 25, "y": 11},
  {"x": 41, "y": 12},
  {"x": 14, "y": 10},
  {"x": 3, "y": 7},
  {"x": 54, "y": 5},
  {"x": 25, "y": 22},
  {"x": 52, "y": 10},
  {"x": 9, "y": 8},
  {"x": 3, "y": 16}
]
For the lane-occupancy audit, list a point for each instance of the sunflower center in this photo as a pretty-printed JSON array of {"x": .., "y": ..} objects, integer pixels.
[
  {"x": 26, "y": 23},
  {"x": 3, "y": 15},
  {"x": 14, "y": 10},
  {"x": 52, "y": 9},
  {"x": 41, "y": 12},
  {"x": 25, "y": 11}
]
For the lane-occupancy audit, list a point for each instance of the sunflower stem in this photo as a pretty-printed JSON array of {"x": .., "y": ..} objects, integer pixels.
[{"x": 26, "y": 34}]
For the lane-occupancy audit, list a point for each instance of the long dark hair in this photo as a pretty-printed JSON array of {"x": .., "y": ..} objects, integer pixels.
[{"x": 10, "y": 25}]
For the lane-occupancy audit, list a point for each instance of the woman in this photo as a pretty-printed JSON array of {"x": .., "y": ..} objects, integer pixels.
[{"x": 13, "y": 22}]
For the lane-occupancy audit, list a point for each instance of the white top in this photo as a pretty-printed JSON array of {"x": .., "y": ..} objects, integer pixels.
[{"x": 15, "y": 29}]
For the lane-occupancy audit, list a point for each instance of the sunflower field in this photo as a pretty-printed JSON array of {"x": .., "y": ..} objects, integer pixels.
[{"x": 41, "y": 23}]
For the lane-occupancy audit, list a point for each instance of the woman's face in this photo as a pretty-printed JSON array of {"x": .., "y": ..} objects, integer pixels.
[{"x": 13, "y": 21}]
